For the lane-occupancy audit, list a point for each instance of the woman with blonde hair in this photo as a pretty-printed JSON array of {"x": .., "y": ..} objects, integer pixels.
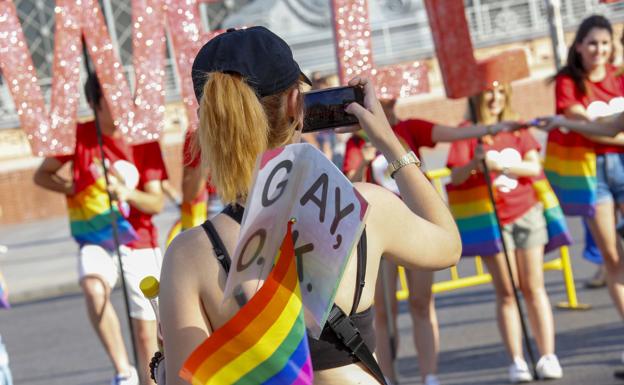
[
  {"x": 513, "y": 160},
  {"x": 249, "y": 91}
]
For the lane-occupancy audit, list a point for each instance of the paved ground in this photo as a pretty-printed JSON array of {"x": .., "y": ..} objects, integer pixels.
[{"x": 50, "y": 341}]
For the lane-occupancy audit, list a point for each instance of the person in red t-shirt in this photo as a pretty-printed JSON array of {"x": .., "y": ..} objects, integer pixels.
[
  {"x": 362, "y": 164},
  {"x": 136, "y": 174},
  {"x": 195, "y": 181},
  {"x": 587, "y": 89},
  {"x": 513, "y": 159}
]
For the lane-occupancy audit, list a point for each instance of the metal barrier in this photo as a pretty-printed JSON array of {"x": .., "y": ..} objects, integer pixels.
[{"x": 480, "y": 277}]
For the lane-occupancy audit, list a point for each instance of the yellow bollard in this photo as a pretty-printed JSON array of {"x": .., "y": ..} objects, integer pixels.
[
  {"x": 478, "y": 265},
  {"x": 403, "y": 293},
  {"x": 568, "y": 278}
]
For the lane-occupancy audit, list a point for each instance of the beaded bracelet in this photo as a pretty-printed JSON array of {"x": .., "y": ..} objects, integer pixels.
[{"x": 153, "y": 365}]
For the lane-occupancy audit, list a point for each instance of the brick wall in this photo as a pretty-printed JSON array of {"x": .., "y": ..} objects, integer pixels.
[{"x": 21, "y": 200}]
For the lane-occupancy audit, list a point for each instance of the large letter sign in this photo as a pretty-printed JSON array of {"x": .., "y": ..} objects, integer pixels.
[
  {"x": 463, "y": 75},
  {"x": 140, "y": 119},
  {"x": 354, "y": 54},
  {"x": 297, "y": 181}
]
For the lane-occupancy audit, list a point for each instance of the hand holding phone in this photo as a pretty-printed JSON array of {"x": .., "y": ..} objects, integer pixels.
[{"x": 325, "y": 109}]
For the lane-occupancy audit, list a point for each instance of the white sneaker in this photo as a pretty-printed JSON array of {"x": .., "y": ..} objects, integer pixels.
[
  {"x": 548, "y": 367},
  {"x": 126, "y": 379},
  {"x": 431, "y": 379},
  {"x": 519, "y": 371}
]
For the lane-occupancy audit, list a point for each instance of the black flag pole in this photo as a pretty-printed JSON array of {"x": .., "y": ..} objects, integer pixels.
[
  {"x": 488, "y": 182},
  {"x": 91, "y": 95}
]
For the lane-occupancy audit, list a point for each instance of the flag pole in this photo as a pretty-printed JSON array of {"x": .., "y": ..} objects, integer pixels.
[{"x": 91, "y": 93}]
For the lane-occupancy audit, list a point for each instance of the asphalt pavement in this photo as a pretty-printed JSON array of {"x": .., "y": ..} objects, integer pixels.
[{"x": 50, "y": 341}]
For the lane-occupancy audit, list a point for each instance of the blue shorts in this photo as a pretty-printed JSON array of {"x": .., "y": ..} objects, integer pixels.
[{"x": 610, "y": 178}]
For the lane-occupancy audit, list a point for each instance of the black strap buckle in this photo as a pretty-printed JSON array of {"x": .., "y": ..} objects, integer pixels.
[
  {"x": 348, "y": 333},
  {"x": 345, "y": 329}
]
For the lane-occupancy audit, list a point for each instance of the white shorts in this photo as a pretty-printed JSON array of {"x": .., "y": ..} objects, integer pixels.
[{"x": 137, "y": 263}]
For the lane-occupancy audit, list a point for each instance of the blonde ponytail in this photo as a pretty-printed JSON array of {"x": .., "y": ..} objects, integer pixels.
[{"x": 235, "y": 127}]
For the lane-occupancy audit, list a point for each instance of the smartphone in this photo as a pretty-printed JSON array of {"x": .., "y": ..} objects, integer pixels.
[{"x": 325, "y": 109}]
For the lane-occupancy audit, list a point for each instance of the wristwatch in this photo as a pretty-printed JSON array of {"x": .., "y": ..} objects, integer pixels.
[{"x": 409, "y": 158}]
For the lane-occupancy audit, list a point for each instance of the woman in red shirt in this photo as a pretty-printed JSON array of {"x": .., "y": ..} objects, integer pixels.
[
  {"x": 360, "y": 160},
  {"x": 513, "y": 159},
  {"x": 586, "y": 89}
]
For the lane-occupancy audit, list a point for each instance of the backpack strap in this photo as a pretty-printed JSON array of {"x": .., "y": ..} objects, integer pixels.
[
  {"x": 344, "y": 327},
  {"x": 361, "y": 272},
  {"x": 217, "y": 244},
  {"x": 350, "y": 336},
  {"x": 236, "y": 213}
]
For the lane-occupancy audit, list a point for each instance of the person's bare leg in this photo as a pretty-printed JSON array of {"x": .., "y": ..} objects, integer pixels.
[
  {"x": 506, "y": 310},
  {"x": 146, "y": 346},
  {"x": 383, "y": 349},
  {"x": 424, "y": 320},
  {"x": 105, "y": 322},
  {"x": 531, "y": 276},
  {"x": 602, "y": 228}
]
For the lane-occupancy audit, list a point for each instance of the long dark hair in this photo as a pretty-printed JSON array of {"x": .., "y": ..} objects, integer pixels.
[{"x": 574, "y": 65}]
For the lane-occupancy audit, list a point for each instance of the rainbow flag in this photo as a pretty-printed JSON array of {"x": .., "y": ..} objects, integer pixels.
[
  {"x": 90, "y": 217},
  {"x": 474, "y": 213},
  {"x": 570, "y": 166},
  {"x": 194, "y": 213},
  {"x": 558, "y": 234},
  {"x": 265, "y": 342},
  {"x": 473, "y": 210}
]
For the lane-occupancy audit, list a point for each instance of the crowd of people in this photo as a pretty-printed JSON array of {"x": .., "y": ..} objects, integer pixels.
[{"x": 250, "y": 95}]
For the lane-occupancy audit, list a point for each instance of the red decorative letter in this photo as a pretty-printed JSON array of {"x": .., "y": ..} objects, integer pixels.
[
  {"x": 463, "y": 75},
  {"x": 354, "y": 54}
]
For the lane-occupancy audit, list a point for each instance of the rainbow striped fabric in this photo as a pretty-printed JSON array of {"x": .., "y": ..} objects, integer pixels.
[
  {"x": 558, "y": 234},
  {"x": 474, "y": 213},
  {"x": 194, "y": 213},
  {"x": 570, "y": 166},
  {"x": 265, "y": 342},
  {"x": 90, "y": 217}
]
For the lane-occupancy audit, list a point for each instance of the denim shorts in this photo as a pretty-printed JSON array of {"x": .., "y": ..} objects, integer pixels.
[{"x": 610, "y": 178}]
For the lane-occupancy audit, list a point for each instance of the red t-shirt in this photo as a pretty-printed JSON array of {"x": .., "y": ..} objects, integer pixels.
[
  {"x": 599, "y": 99},
  {"x": 192, "y": 158},
  {"x": 511, "y": 202},
  {"x": 413, "y": 134},
  {"x": 147, "y": 158}
]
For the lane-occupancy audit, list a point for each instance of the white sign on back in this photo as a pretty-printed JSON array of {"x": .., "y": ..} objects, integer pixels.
[{"x": 298, "y": 181}]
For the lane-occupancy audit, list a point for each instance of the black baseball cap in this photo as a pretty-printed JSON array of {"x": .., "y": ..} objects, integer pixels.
[{"x": 261, "y": 57}]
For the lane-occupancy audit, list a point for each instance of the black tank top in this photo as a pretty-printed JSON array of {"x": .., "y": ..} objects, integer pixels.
[{"x": 328, "y": 351}]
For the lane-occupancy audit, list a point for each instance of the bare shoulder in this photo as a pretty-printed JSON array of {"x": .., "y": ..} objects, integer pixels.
[
  {"x": 189, "y": 252},
  {"x": 377, "y": 197},
  {"x": 372, "y": 191}
]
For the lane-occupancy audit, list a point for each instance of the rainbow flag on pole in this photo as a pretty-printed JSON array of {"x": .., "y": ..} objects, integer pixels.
[
  {"x": 265, "y": 342},
  {"x": 90, "y": 217},
  {"x": 473, "y": 210},
  {"x": 474, "y": 213},
  {"x": 570, "y": 166}
]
